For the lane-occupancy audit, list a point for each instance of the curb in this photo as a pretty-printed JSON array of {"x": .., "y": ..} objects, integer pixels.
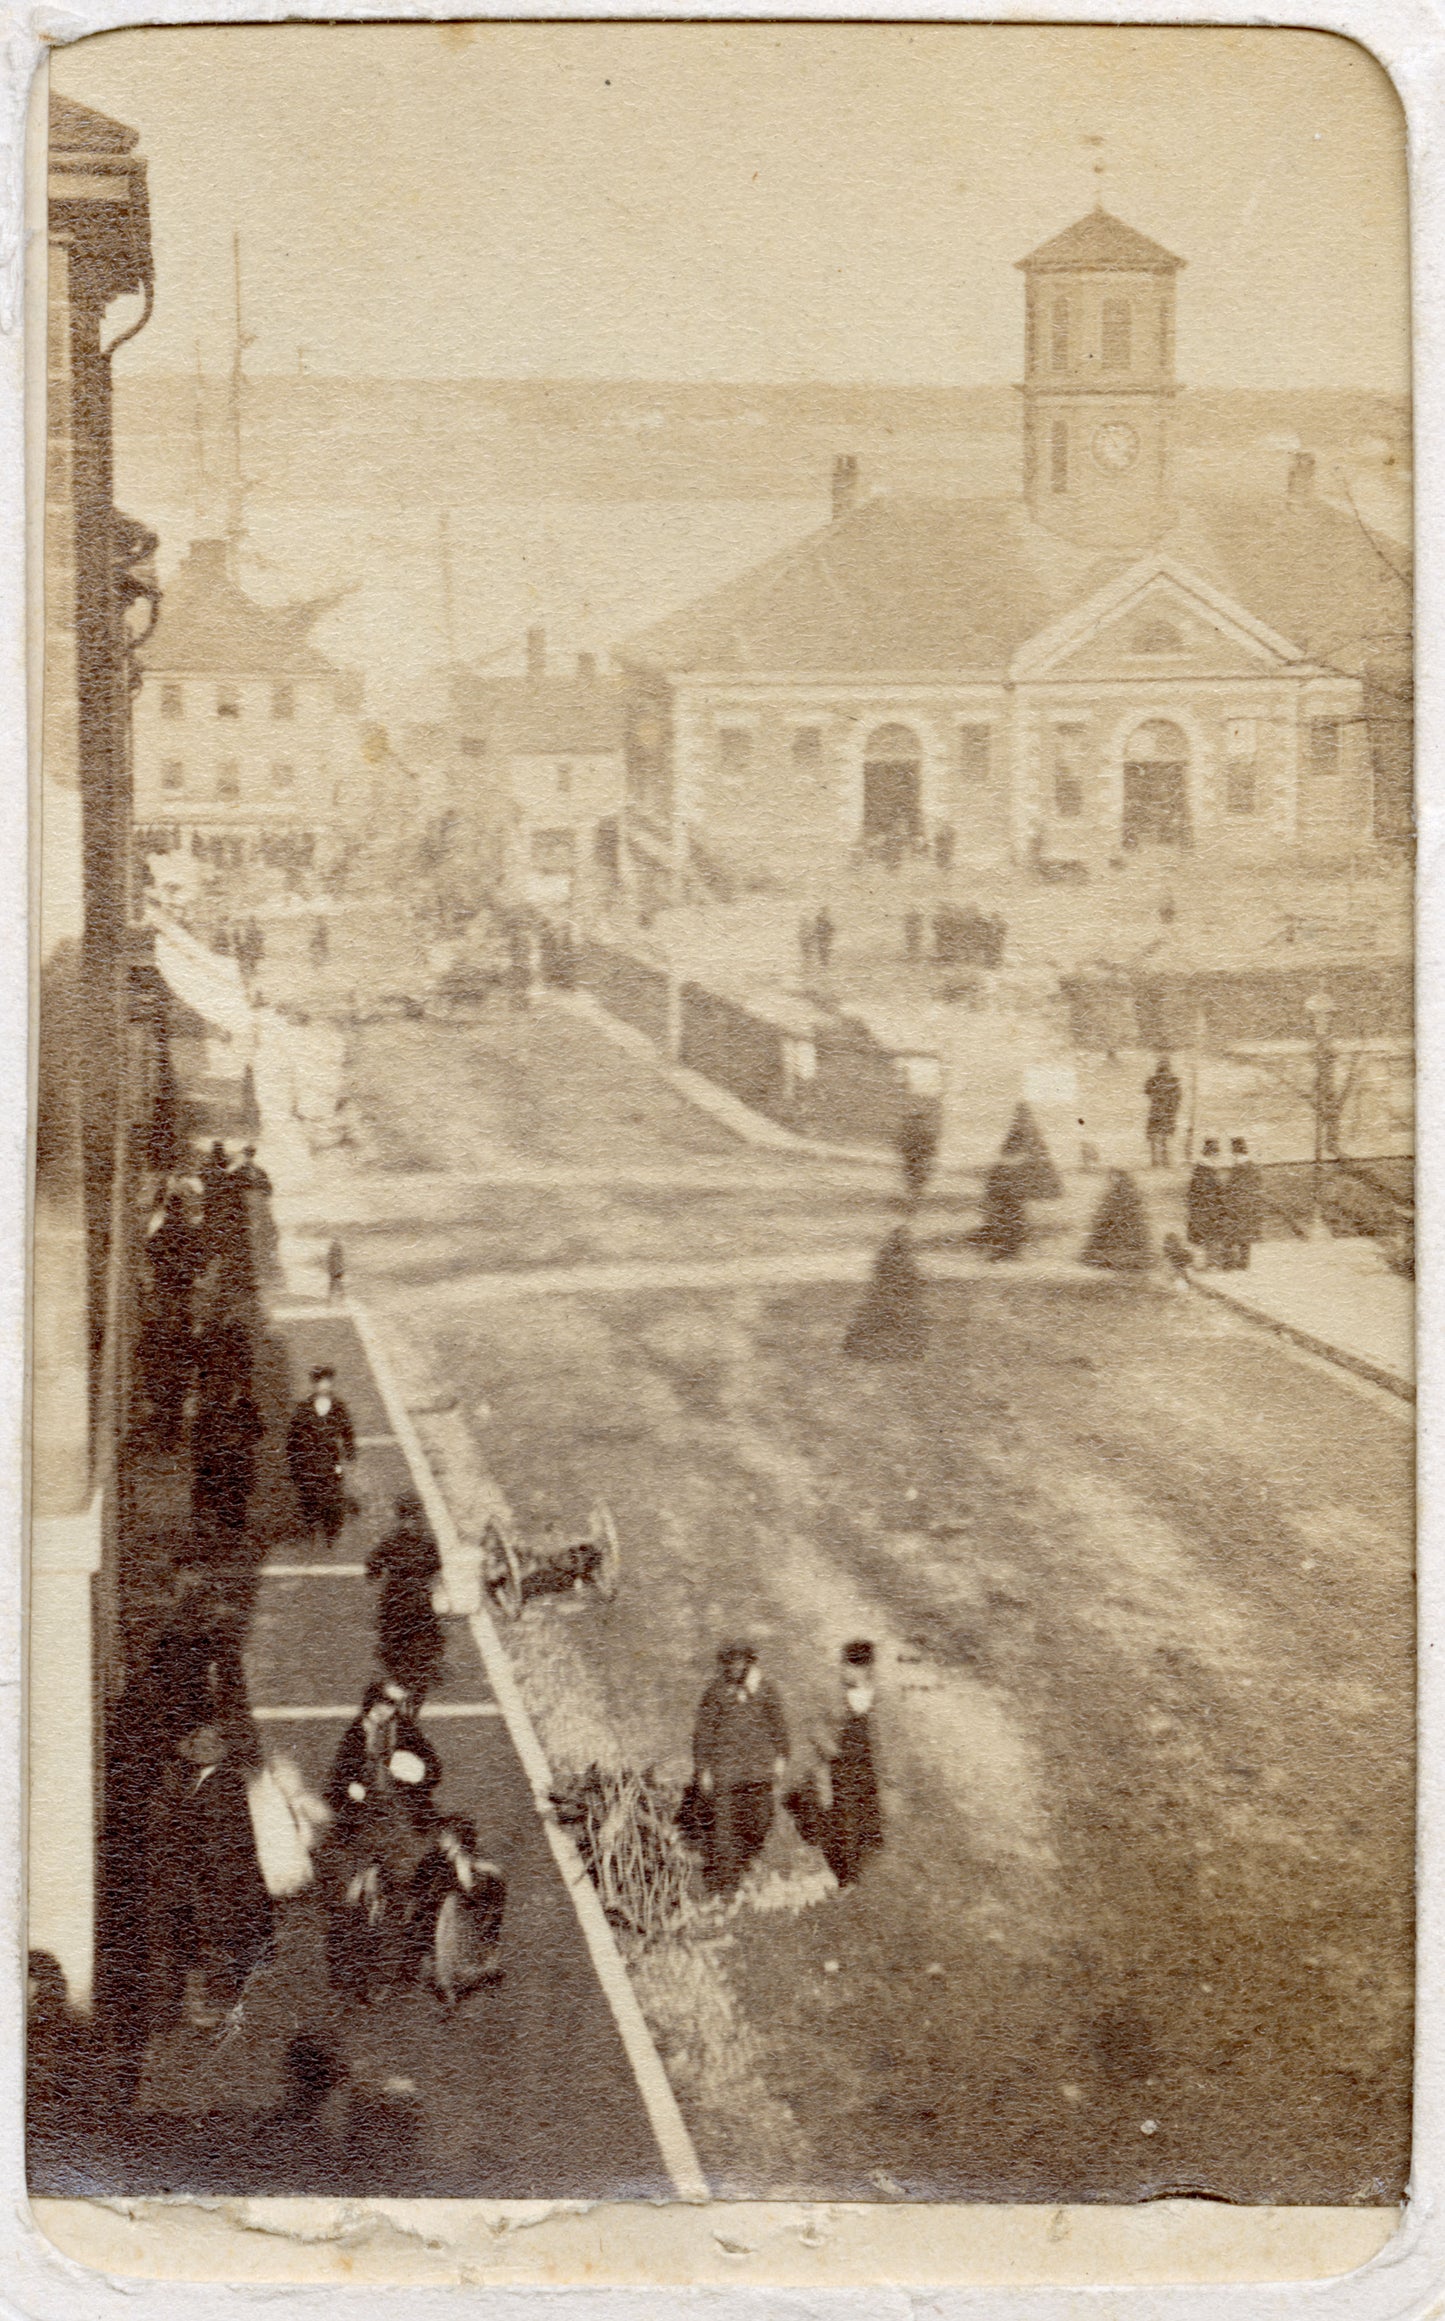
[
  {"x": 1374, "y": 1373},
  {"x": 674, "y": 2143}
]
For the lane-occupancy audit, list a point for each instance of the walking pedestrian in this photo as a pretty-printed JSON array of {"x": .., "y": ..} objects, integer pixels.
[
  {"x": 740, "y": 1752},
  {"x": 380, "y": 1791},
  {"x": 1164, "y": 1094},
  {"x": 224, "y": 1434},
  {"x": 320, "y": 1445},
  {"x": 824, "y": 931},
  {"x": 409, "y": 1640},
  {"x": 335, "y": 1273},
  {"x": 209, "y": 1915},
  {"x": 1242, "y": 1207},
  {"x": 1204, "y": 1222},
  {"x": 917, "y": 1141},
  {"x": 837, "y": 1807},
  {"x": 457, "y": 1901}
]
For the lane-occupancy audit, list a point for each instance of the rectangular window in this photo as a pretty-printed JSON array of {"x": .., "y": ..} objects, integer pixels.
[
  {"x": 807, "y": 748},
  {"x": 173, "y": 775},
  {"x": 283, "y": 777},
  {"x": 228, "y": 780},
  {"x": 1325, "y": 735},
  {"x": 1117, "y": 334},
  {"x": 1059, "y": 456},
  {"x": 734, "y": 749},
  {"x": 975, "y": 752},
  {"x": 1059, "y": 337},
  {"x": 283, "y": 701},
  {"x": 553, "y": 850},
  {"x": 1240, "y": 786},
  {"x": 228, "y": 701},
  {"x": 1068, "y": 796},
  {"x": 173, "y": 701}
]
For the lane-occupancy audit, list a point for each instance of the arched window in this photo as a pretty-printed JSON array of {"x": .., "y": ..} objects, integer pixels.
[{"x": 1059, "y": 339}]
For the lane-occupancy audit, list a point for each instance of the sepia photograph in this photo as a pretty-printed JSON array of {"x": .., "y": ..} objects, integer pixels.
[{"x": 722, "y": 1337}]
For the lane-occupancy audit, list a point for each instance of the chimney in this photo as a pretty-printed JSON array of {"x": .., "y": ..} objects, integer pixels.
[
  {"x": 587, "y": 667},
  {"x": 536, "y": 652},
  {"x": 1301, "y": 484},
  {"x": 845, "y": 484}
]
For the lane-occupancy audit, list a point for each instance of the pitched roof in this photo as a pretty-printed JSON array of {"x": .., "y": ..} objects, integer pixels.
[
  {"x": 1104, "y": 241},
  {"x": 209, "y": 625},
  {"x": 542, "y": 716},
  {"x": 948, "y": 586},
  {"x": 76, "y": 129}
]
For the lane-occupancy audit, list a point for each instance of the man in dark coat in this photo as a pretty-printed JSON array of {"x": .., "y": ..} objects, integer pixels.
[
  {"x": 739, "y": 1751},
  {"x": 409, "y": 1639},
  {"x": 848, "y": 1821},
  {"x": 209, "y": 1915},
  {"x": 1204, "y": 1222},
  {"x": 1242, "y": 1206},
  {"x": 1164, "y": 1096},
  {"x": 320, "y": 1445},
  {"x": 224, "y": 1435}
]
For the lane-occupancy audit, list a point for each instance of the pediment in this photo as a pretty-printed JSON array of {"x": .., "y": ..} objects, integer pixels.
[{"x": 1157, "y": 620}]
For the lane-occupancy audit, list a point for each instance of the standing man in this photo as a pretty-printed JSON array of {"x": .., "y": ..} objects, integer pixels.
[
  {"x": 1242, "y": 1203},
  {"x": 1164, "y": 1094},
  {"x": 1204, "y": 1222},
  {"x": 850, "y": 1820},
  {"x": 823, "y": 933},
  {"x": 740, "y": 1752},
  {"x": 320, "y": 1443}
]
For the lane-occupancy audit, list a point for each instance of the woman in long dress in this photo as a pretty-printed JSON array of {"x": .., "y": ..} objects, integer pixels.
[{"x": 380, "y": 1791}]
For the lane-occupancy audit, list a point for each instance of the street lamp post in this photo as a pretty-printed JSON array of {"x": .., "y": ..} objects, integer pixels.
[{"x": 1320, "y": 1010}]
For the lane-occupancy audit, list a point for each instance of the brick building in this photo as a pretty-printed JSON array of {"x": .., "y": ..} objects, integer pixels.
[{"x": 1096, "y": 666}]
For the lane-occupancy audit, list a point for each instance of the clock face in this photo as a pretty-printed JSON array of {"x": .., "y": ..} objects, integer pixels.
[{"x": 1116, "y": 447}]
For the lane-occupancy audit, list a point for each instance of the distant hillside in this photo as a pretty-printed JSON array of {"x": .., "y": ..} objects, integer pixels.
[{"x": 390, "y": 442}]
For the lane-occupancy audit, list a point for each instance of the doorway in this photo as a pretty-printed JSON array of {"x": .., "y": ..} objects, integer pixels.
[
  {"x": 1156, "y": 787},
  {"x": 892, "y": 788}
]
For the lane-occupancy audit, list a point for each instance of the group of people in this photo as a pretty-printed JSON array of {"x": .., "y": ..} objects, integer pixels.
[
  {"x": 210, "y": 1843},
  {"x": 741, "y": 1750},
  {"x": 1224, "y": 1206}
]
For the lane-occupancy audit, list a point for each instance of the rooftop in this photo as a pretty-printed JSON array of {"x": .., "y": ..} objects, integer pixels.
[
  {"x": 541, "y": 716},
  {"x": 947, "y": 586},
  {"x": 1103, "y": 241},
  {"x": 208, "y": 625}
]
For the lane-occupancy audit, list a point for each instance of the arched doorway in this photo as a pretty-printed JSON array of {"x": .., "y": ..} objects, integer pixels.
[
  {"x": 892, "y": 787},
  {"x": 1156, "y": 786}
]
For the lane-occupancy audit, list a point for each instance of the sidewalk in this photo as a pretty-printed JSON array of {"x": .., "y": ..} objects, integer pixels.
[
  {"x": 1335, "y": 1298},
  {"x": 545, "y": 2086}
]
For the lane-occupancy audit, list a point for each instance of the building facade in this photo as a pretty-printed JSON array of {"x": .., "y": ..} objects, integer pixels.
[
  {"x": 99, "y": 1032},
  {"x": 540, "y": 760},
  {"x": 1096, "y": 667},
  {"x": 247, "y": 747}
]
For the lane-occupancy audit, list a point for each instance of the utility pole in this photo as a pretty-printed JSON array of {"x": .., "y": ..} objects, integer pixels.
[
  {"x": 198, "y": 446},
  {"x": 449, "y": 614},
  {"x": 236, "y": 493},
  {"x": 1320, "y": 1010}
]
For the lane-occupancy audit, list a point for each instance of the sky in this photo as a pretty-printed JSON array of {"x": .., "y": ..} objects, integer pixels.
[{"x": 750, "y": 202}]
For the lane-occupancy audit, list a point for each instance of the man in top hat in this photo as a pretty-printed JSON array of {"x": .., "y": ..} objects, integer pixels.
[
  {"x": 1204, "y": 1221},
  {"x": 1242, "y": 1206},
  {"x": 847, "y": 1821},
  {"x": 320, "y": 1444},
  {"x": 739, "y": 1752}
]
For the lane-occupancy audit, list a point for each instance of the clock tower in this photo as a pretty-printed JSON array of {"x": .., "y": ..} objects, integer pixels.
[{"x": 1099, "y": 383}]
